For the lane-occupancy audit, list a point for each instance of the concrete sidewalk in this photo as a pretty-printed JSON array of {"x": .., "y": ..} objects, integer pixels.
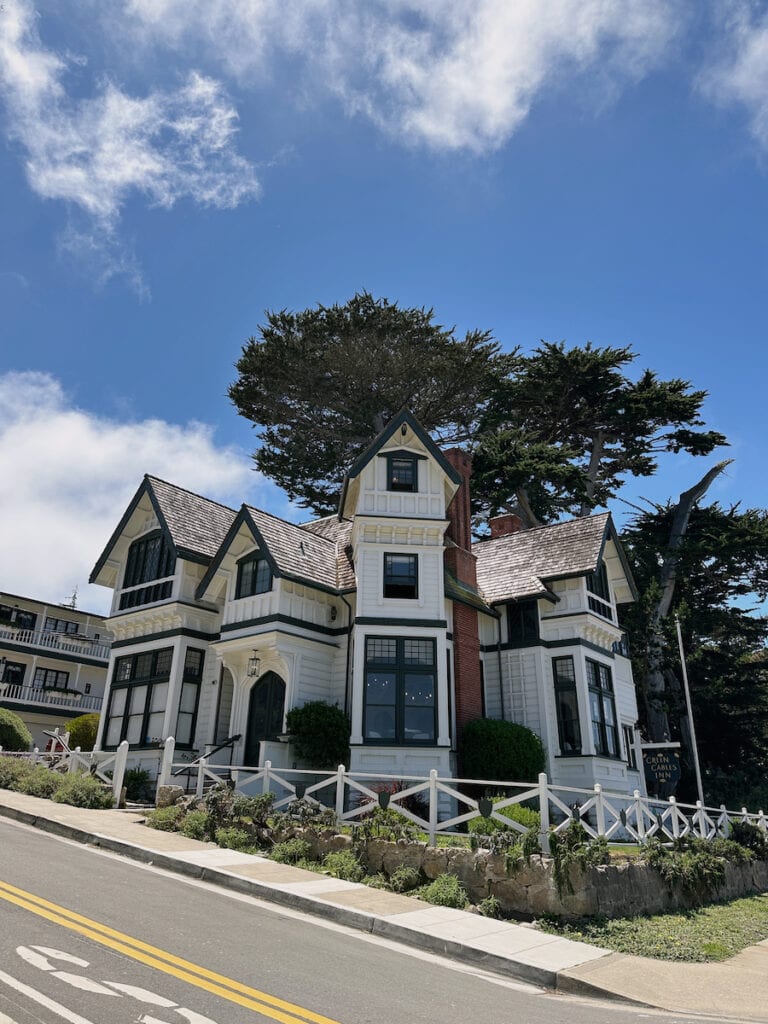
[{"x": 735, "y": 989}]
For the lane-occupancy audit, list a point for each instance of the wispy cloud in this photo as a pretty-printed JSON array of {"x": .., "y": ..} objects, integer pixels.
[
  {"x": 94, "y": 153},
  {"x": 740, "y": 76},
  {"x": 73, "y": 474}
]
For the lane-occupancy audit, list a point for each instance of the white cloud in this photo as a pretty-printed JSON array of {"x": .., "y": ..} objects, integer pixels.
[
  {"x": 446, "y": 74},
  {"x": 69, "y": 475},
  {"x": 741, "y": 76},
  {"x": 94, "y": 153}
]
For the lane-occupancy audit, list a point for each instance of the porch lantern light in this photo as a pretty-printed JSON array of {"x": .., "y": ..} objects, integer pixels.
[{"x": 254, "y": 664}]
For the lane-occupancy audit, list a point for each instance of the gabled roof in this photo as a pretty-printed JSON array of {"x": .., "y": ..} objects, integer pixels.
[
  {"x": 520, "y": 564},
  {"x": 340, "y": 533},
  {"x": 193, "y": 526},
  {"x": 403, "y": 418},
  {"x": 292, "y": 551}
]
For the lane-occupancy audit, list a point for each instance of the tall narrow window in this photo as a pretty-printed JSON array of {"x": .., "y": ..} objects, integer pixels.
[
  {"x": 254, "y": 576},
  {"x": 523, "y": 621},
  {"x": 400, "y": 698},
  {"x": 149, "y": 558},
  {"x": 190, "y": 696},
  {"x": 600, "y": 593},
  {"x": 401, "y": 576},
  {"x": 629, "y": 745},
  {"x": 567, "y": 704},
  {"x": 602, "y": 709}
]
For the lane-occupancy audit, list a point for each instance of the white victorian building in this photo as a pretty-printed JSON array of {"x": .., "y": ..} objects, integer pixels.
[{"x": 225, "y": 619}]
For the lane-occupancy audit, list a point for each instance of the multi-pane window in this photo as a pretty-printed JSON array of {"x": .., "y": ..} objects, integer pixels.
[
  {"x": 17, "y": 617},
  {"x": 567, "y": 704},
  {"x": 51, "y": 679},
  {"x": 12, "y": 673},
  {"x": 629, "y": 745},
  {"x": 602, "y": 709},
  {"x": 523, "y": 621},
  {"x": 149, "y": 558},
  {"x": 400, "y": 699},
  {"x": 402, "y": 473},
  {"x": 401, "y": 576},
  {"x": 54, "y": 625},
  {"x": 599, "y": 595},
  {"x": 139, "y": 697},
  {"x": 190, "y": 696},
  {"x": 254, "y": 576}
]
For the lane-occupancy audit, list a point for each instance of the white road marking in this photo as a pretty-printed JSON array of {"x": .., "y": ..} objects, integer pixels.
[
  {"x": 59, "y": 954},
  {"x": 38, "y": 997},
  {"x": 85, "y": 984},
  {"x": 142, "y": 994},
  {"x": 33, "y": 955}
]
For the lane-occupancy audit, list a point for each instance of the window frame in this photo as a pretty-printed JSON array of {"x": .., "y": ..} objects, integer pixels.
[
  {"x": 519, "y": 632},
  {"x": 194, "y": 678},
  {"x": 562, "y": 684},
  {"x": 409, "y": 486},
  {"x": 147, "y": 580},
  {"x": 599, "y": 593},
  {"x": 400, "y": 667},
  {"x": 41, "y": 676},
  {"x": 14, "y": 665},
  {"x": 131, "y": 682},
  {"x": 600, "y": 685},
  {"x": 392, "y": 580},
  {"x": 628, "y": 736},
  {"x": 10, "y": 615},
  {"x": 253, "y": 558},
  {"x": 52, "y": 624}
]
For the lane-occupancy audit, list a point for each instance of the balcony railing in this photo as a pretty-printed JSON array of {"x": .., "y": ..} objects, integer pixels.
[
  {"x": 49, "y": 698},
  {"x": 70, "y": 643}
]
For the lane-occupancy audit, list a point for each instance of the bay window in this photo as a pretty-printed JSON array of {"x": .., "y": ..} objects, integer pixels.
[
  {"x": 138, "y": 698},
  {"x": 602, "y": 709},
  {"x": 400, "y": 696}
]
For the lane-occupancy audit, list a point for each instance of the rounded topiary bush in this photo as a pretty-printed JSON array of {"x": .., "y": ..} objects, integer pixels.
[
  {"x": 320, "y": 734},
  {"x": 82, "y": 731},
  {"x": 500, "y": 751},
  {"x": 14, "y": 735}
]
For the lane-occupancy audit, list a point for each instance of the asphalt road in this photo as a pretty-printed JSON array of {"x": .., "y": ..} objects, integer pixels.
[{"x": 90, "y": 938}]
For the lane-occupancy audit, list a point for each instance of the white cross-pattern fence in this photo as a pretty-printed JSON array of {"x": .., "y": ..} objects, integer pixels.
[
  {"x": 442, "y": 808},
  {"x": 109, "y": 766}
]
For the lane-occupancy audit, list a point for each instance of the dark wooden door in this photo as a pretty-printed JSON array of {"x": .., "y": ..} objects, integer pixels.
[{"x": 266, "y": 710}]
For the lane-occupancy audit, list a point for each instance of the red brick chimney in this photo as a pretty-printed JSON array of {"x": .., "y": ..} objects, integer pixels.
[
  {"x": 502, "y": 526},
  {"x": 460, "y": 561}
]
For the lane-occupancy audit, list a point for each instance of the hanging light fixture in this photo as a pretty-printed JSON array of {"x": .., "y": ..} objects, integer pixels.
[{"x": 254, "y": 664}]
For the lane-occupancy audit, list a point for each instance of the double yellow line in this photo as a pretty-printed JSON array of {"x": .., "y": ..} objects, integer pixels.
[{"x": 184, "y": 970}]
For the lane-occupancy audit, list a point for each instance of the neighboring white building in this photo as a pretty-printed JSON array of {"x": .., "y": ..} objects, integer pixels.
[
  {"x": 223, "y": 620},
  {"x": 53, "y": 662}
]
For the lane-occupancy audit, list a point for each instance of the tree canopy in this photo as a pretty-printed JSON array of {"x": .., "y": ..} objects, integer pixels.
[
  {"x": 320, "y": 384},
  {"x": 564, "y": 430}
]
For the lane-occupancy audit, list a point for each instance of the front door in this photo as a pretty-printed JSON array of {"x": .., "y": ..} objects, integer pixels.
[{"x": 266, "y": 710}]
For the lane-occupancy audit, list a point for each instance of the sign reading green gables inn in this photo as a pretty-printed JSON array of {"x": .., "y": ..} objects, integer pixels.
[{"x": 661, "y": 762}]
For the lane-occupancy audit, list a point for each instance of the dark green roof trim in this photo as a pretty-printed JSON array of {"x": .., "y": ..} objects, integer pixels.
[
  {"x": 242, "y": 517},
  {"x": 50, "y": 654},
  {"x": 372, "y": 620},
  {"x": 457, "y": 590},
  {"x": 144, "y": 488},
  {"x": 401, "y": 453},
  {"x": 550, "y": 644},
  {"x": 288, "y": 620},
  {"x": 407, "y": 418},
  {"x": 195, "y": 634}
]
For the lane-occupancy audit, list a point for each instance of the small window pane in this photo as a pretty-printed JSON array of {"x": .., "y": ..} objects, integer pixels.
[
  {"x": 381, "y": 651},
  {"x": 118, "y": 701},
  {"x": 184, "y": 728},
  {"x": 113, "y": 731},
  {"x": 143, "y": 666},
  {"x": 138, "y": 699},
  {"x": 419, "y": 652},
  {"x": 123, "y": 669},
  {"x": 133, "y": 733},
  {"x": 381, "y": 688},
  {"x": 380, "y": 723},
  {"x": 193, "y": 663},
  {"x": 155, "y": 726},
  {"x": 419, "y": 724},
  {"x": 188, "y": 697},
  {"x": 159, "y": 697},
  {"x": 163, "y": 664},
  {"x": 419, "y": 691}
]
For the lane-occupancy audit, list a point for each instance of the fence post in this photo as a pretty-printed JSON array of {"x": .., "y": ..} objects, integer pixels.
[
  {"x": 200, "y": 777},
  {"x": 544, "y": 813},
  {"x": 725, "y": 821},
  {"x": 675, "y": 819},
  {"x": 340, "y": 792},
  {"x": 599, "y": 809},
  {"x": 432, "y": 807},
  {"x": 761, "y": 822},
  {"x": 35, "y": 755},
  {"x": 265, "y": 777},
  {"x": 639, "y": 817},
  {"x": 118, "y": 772},
  {"x": 699, "y": 817},
  {"x": 166, "y": 763},
  {"x": 745, "y": 814},
  {"x": 73, "y": 760}
]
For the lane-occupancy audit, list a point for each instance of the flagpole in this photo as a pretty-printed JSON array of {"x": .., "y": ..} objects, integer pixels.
[{"x": 694, "y": 745}]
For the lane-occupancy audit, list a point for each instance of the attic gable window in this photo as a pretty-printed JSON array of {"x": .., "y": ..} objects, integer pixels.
[
  {"x": 599, "y": 595},
  {"x": 401, "y": 576},
  {"x": 149, "y": 558},
  {"x": 254, "y": 576},
  {"x": 402, "y": 473}
]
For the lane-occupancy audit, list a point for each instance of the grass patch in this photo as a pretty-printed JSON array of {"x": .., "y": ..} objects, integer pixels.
[{"x": 714, "y": 932}]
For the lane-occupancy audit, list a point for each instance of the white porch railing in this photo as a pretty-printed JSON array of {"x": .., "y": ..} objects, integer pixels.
[
  {"x": 617, "y": 816},
  {"x": 49, "y": 698},
  {"x": 105, "y": 765},
  {"x": 71, "y": 643}
]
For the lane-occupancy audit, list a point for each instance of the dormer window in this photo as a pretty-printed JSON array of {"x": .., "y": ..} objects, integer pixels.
[
  {"x": 599, "y": 593},
  {"x": 254, "y": 576},
  {"x": 402, "y": 473},
  {"x": 149, "y": 558},
  {"x": 401, "y": 576}
]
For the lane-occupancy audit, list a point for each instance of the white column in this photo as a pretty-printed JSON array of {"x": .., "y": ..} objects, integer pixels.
[{"x": 174, "y": 687}]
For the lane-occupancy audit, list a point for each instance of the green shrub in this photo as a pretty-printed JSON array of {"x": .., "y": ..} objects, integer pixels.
[
  {"x": 81, "y": 790},
  {"x": 388, "y": 825},
  {"x": 445, "y": 891},
  {"x": 14, "y": 735},
  {"x": 524, "y": 816},
  {"x": 137, "y": 784},
  {"x": 405, "y": 879},
  {"x": 491, "y": 907},
  {"x": 40, "y": 781},
  {"x": 574, "y": 847},
  {"x": 82, "y": 731},
  {"x": 235, "y": 839},
  {"x": 195, "y": 825},
  {"x": 503, "y": 751},
  {"x": 320, "y": 734},
  {"x": 229, "y": 810},
  {"x": 165, "y": 819},
  {"x": 291, "y": 851},
  {"x": 13, "y": 769},
  {"x": 750, "y": 837},
  {"x": 696, "y": 866},
  {"x": 344, "y": 864}
]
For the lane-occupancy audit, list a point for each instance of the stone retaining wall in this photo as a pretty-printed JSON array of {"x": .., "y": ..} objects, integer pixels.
[{"x": 528, "y": 890}]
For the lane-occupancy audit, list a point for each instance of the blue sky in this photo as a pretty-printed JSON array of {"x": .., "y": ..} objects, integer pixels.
[{"x": 169, "y": 169}]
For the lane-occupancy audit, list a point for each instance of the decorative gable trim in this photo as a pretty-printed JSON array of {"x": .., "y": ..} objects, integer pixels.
[{"x": 242, "y": 517}]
